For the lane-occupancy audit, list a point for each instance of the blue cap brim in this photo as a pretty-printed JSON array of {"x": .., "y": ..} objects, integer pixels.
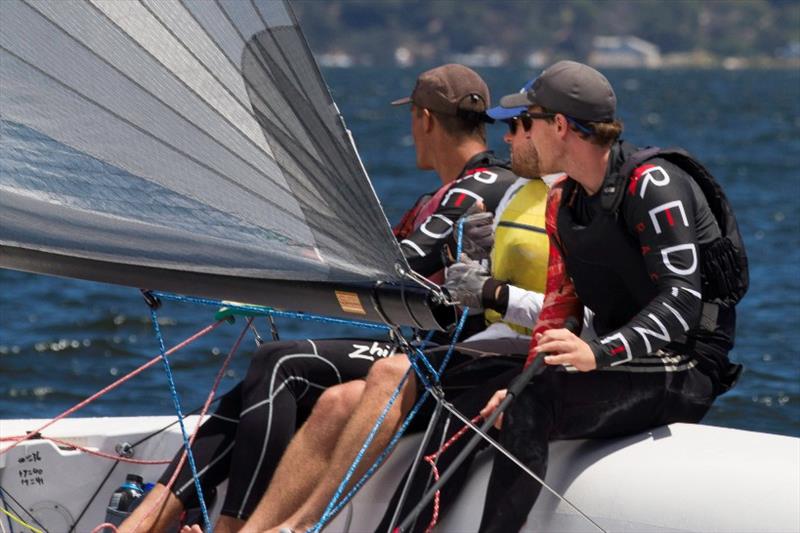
[{"x": 505, "y": 113}]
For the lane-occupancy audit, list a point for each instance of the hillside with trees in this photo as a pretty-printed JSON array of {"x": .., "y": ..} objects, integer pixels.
[{"x": 765, "y": 32}]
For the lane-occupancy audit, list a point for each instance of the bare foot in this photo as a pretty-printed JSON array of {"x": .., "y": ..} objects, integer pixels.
[{"x": 194, "y": 528}]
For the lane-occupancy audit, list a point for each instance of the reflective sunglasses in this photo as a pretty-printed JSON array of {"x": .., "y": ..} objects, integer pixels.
[{"x": 526, "y": 118}]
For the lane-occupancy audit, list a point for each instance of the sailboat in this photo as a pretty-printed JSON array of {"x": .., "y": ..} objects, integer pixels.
[{"x": 199, "y": 152}]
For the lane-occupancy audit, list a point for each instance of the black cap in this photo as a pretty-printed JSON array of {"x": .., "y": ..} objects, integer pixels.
[{"x": 571, "y": 88}]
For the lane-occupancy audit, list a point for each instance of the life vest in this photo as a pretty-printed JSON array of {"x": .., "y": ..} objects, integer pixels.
[
  {"x": 724, "y": 267},
  {"x": 602, "y": 251},
  {"x": 521, "y": 246}
]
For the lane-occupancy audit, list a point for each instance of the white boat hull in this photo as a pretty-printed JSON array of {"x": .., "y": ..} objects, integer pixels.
[{"x": 676, "y": 478}]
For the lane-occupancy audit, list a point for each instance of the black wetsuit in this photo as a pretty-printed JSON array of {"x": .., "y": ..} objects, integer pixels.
[
  {"x": 245, "y": 438},
  {"x": 639, "y": 270}
]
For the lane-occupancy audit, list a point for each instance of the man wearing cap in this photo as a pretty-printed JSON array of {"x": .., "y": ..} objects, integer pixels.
[
  {"x": 244, "y": 439},
  {"x": 632, "y": 246},
  {"x": 448, "y": 112},
  {"x": 512, "y": 296}
]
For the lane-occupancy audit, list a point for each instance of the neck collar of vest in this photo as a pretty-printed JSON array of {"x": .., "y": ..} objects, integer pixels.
[{"x": 483, "y": 159}]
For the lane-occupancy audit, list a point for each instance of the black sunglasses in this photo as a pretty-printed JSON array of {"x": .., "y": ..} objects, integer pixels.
[{"x": 526, "y": 118}]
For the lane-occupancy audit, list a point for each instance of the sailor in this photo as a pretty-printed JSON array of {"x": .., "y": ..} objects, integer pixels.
[
  {"x": 286, "y": 382},
  {"x": 515, "y": 295},
  {"x": 644, "y": 250}
]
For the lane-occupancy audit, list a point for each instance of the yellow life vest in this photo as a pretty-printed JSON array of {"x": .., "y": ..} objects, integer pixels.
[{"x": 521, "y": 247}]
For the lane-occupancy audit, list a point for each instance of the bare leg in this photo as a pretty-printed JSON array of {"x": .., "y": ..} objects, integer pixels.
[
  {"x": 160, "y": 519},
  {"x": 381, "y": 383},
  {"x": 225, "y": 524},
  {"x": 307, "y": 457}
]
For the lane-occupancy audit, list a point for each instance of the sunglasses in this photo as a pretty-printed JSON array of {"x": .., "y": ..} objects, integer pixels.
[{"x": 526, "y": 119}]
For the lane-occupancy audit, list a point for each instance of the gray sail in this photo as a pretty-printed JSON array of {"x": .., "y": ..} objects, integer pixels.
[{"x": 179, "y": 144}]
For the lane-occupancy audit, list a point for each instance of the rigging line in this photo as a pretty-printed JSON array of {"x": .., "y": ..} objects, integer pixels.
[
  {"x": 22, "y": 507},
  {"x": 246, "y": 108},
  {"x": 306, "y": 116},
  {"x": 116, "y": 463},
  {"x": 142, "y": 130},
  {"x": 150, "y": 436},
  {"x": 423, "y": 282},
  {"x": 428, "y": 284},
  {"x": 415, "y": 464},
  {"x": 113, "y": 385},
  {"x": 177, "y": 403},
  {"x": 20, "y": 521},
  {"x": 161, "y": 499},
  {"x": 499, "y": 447},
  {"x": 93, "y": 496},
  {"x": 393, "y": 442},
  {"x": 283, "y": 125},
  {"x": 8, "y": 518},
  {"x": 261, "y": 309}
]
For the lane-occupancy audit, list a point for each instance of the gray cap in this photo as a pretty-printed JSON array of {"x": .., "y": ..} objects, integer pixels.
[
  {"x": 449, "y": 89},
  {"x": 571, "y": 88}
]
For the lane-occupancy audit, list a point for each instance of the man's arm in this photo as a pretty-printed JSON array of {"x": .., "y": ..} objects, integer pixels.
[
  {"x": 660, "y": 210},
  {"x": 423, "y": 247}
]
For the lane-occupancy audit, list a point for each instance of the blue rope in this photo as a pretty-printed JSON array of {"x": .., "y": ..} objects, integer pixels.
[
  {"x": 259, "y": 309},
  {"x": 333, "y": 507},
  {"x": 459, "y": 238},
  {"x": 176, "y": 401}
]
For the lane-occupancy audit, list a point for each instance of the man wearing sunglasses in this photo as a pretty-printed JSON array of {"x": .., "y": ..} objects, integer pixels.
[
  {"x": 448, "y": 114},
  {"x": 632, "y": 246}
]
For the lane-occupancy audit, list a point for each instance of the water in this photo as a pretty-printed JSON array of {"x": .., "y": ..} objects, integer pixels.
[{"x": 61, "y": 340}]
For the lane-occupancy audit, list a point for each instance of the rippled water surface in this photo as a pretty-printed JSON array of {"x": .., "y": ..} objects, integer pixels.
[{"x": 61, "y": 340}]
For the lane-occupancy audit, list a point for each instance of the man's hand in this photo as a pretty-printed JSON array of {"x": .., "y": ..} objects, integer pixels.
[
  {"x": 489, "y": 408},
  {"x": 476, "y": 240},
  {"x": 464, "y": 281},
  {"x": 478, "y": 237},
  {"x": 565, "y": 348}
]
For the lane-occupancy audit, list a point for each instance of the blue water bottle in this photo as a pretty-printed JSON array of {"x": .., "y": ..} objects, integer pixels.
[{"x": 124, "y": 499}]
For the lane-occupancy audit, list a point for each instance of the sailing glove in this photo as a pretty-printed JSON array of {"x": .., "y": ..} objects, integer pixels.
[
  {"x": 477, "y": 239},
  {"x": 464, "y": 281}
]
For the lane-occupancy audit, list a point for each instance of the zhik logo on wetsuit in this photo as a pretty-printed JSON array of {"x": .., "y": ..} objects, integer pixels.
[{"x": 370, "y": 352}]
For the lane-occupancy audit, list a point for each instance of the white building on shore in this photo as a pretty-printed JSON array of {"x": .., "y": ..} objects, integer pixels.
[{"x": 624, "y": 52}]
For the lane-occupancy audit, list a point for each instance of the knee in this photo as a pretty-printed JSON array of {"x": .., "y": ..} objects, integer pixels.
[
  {"x": 387, "y": 372},
  {"x": 338, "y": 402}
]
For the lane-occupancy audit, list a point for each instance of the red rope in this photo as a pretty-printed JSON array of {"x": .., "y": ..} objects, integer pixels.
[
  {"x": 431, "y": 460},
  {"x": 97, "y": 453},
  {"x": 114, "y": 385}
]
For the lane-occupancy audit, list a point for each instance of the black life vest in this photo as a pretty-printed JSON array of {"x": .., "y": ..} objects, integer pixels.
[{"x": 724, "y": 271}]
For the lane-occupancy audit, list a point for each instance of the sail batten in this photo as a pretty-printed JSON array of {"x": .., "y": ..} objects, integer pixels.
[{"x": 166, "y": 135}]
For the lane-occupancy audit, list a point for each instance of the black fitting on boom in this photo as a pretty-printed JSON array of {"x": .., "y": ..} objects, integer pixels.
[{"x": 151, "y": 299}]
